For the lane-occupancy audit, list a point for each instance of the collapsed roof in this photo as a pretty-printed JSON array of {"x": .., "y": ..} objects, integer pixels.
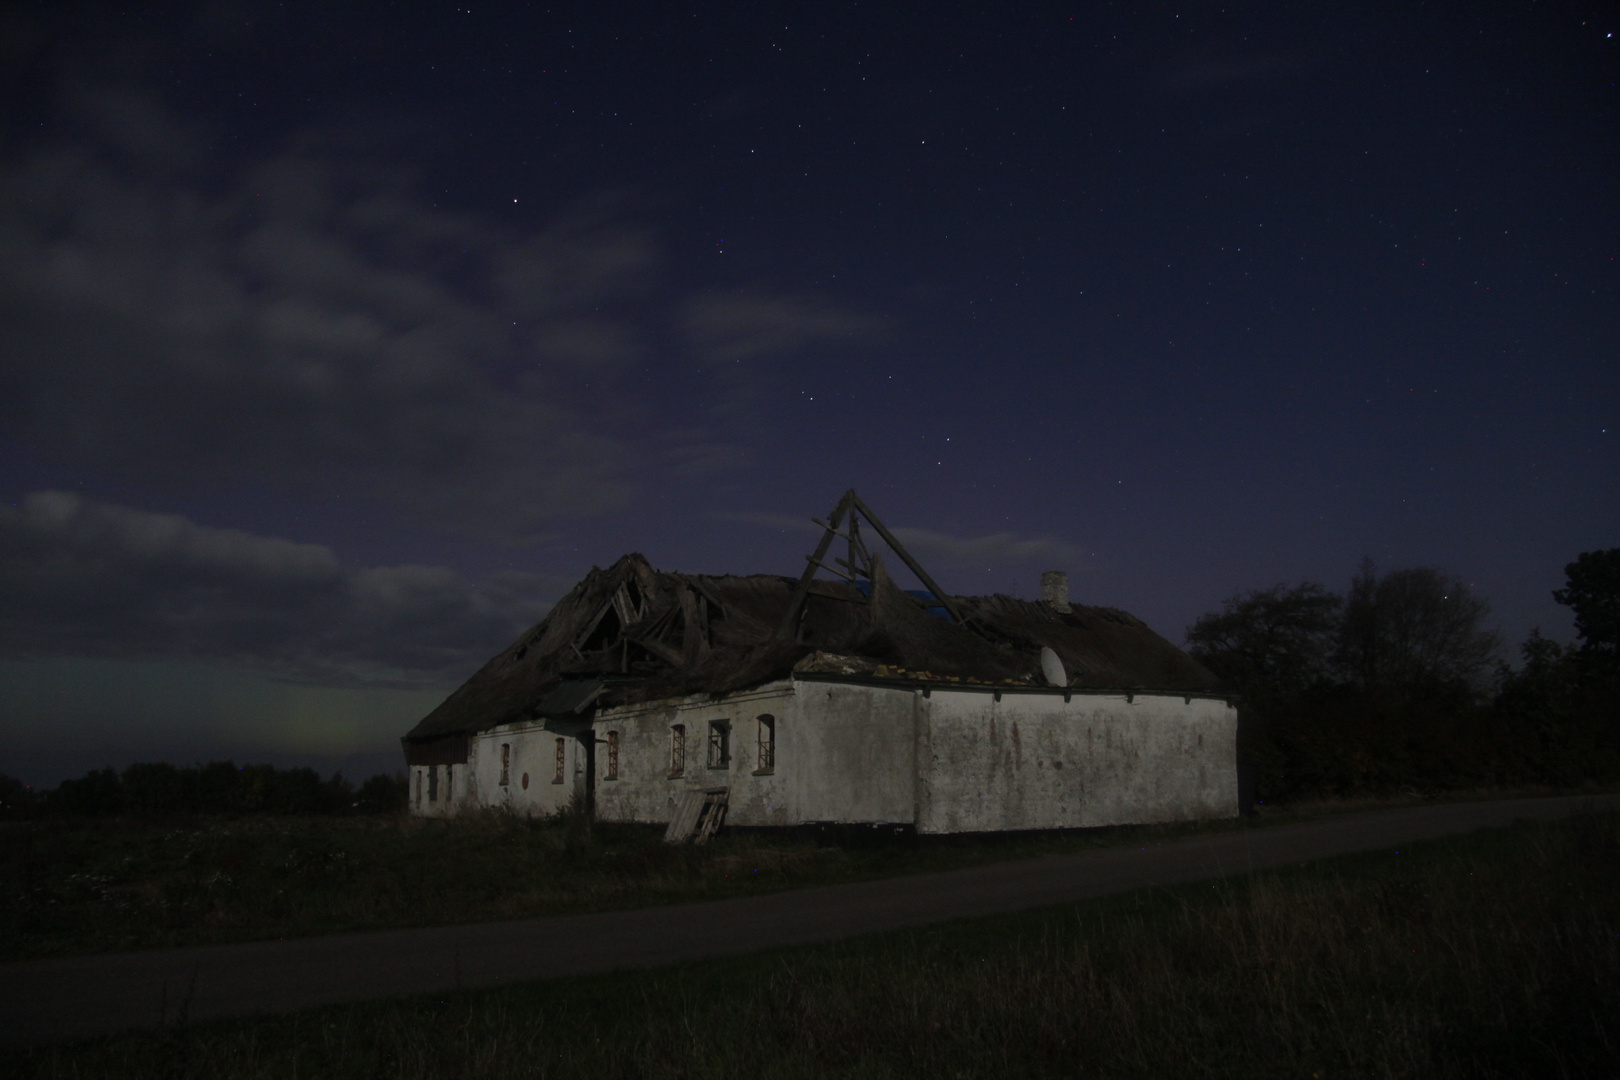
[{"x": 630, "y": 633}]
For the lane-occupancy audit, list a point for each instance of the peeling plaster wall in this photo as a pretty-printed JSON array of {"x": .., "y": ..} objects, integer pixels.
[
  {"x": 647, "y": 791},
  {"x": 531, "y": 786},
  {"x": 954, "y": 761},
  {"x": 1032, "y": 761},
  {"x": 453, "y": 792},
  {"x": 854, "y": 757}
]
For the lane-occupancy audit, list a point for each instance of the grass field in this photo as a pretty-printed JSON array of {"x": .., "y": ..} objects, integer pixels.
[
  {"x": 109, "y": 884},
  {"x": 1493, "y": 955},
  {"x": 76, "y": 885}
]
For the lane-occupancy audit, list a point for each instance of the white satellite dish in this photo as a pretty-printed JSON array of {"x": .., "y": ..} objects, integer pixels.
[{"x": 1052, "y": 668}]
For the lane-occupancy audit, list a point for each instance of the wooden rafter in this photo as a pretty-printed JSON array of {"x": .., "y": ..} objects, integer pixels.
[{"x": 858, "y": 565}]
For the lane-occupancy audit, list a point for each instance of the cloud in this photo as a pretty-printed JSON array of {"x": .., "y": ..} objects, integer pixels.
[
  {"x": 91, "y": 579},
  {"x": 996, "y": 549},
  {"x": 1220, "y": 64},
  {"x": 745, "y": 326},
  {"x": 779, "y": 522},
  {"x": 308, "y": 319}
]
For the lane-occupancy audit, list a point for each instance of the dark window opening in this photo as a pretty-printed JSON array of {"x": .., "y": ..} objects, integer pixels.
[
  {"x": 562, "y": 760},
  {"x": 719, "y": 745},
  {"x": 506, "y": 763},
  {"x": 677, "y": 750},
  {"x": 767, "y": 743},
  {"x": 613, "y": 755},
  {"x": 605, "y": 634},
  {"x": 433, "y": 783}
]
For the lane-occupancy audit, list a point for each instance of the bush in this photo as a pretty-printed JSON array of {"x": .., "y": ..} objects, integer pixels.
[
  {"x": 383, "y": 794},
  {"x": 98, "y": 793},
  {"x": 156, "y": 789},
  {"x": 16, "y": 799}
]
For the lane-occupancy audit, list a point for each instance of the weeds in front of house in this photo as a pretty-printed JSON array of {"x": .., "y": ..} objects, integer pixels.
[
  {"x": 75, "y": 885},
  {"x": 1494, "y": 955}
]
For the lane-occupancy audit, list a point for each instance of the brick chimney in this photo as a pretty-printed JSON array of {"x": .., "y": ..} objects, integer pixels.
[{"x": 1055, "y": 590}]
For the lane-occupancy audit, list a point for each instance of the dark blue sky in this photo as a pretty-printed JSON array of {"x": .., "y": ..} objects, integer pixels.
[{"x": 340, "y": 342}]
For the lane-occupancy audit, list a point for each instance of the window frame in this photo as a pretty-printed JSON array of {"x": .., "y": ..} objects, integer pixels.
[
  {"x": 562, "y": 761},
  {"x": 765, "y": 745},
  {"x": 677, "y": 750},
  {"x": 719, "y": 755},
  {"x": 506, "y": 764},
  {"x": 612, "y": 756}
]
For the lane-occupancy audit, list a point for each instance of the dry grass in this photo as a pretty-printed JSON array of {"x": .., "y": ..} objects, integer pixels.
[
  {"x": 81, "y": 885},
  {"x": 1495, "y": 955}
]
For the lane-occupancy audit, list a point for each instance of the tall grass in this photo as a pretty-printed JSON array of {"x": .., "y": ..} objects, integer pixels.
[
  {"x": 1496, "y": 955},
  {"x": 85, "y": 885}
]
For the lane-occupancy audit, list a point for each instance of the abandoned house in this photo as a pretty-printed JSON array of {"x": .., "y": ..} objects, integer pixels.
[{"x": 836, "y": 696}]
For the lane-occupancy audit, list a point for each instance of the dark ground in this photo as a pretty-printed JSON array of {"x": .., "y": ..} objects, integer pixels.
[{"x": 88, "y": 995}]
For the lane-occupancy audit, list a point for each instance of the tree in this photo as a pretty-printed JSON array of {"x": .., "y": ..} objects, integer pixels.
[
  {"x": 1269, "y": 644},
  {"x": 1593, "y": 590},
  {"x": 1418, "y": 628}
]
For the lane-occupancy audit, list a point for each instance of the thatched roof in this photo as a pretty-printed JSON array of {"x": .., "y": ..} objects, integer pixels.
[{"x": 631, "y": 633}]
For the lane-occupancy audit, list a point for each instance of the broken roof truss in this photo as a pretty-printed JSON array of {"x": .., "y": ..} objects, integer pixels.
[{"x": 859, "y": 565}]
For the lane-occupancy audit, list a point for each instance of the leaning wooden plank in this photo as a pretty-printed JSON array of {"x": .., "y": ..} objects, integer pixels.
[
  {"x": 685, "y": 818},
  {"x": 715, "y": 805}
]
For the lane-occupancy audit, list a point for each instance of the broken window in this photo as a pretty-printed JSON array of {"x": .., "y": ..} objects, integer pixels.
[
  {"x": 433, "y": 783},
  {"x": 562, "y": 760},
  {"x": 613, "y": 755},
  {"x": 506, "y": 763},
  {"x": 719, "y": 745},
  {"x": 767, "y": 743},
  {"x": 677, "y": 750}
]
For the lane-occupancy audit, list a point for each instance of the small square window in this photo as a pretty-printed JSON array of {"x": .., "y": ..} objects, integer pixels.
[
  {"x": 719, "y": 744},
  {"x": 613, "y": 755},
  {"x": 677, "y": 750}
]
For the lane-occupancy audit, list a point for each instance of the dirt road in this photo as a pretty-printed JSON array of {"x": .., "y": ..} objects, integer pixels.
[{"x": 80, "y": 996}]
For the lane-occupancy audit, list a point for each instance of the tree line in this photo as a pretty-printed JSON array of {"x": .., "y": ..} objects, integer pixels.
[
  {"x": 158, "y": 789},
  {"x": 1399, "y": 682}
]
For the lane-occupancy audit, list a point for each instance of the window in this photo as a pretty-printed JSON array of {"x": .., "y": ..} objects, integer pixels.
[
  {"x": 677, "y": 750},
  {"x": 767, "y": 744},
  {"x": 562, "y": 760},
  {"x": 506, "y": 763},
  {"x": 719, "y": 745},
  {"x": 613, "y": 755},
  {"x": 449, "y": 783},
  {"x": 418, "y": 787},
  {"x": 433, "y": 783}
]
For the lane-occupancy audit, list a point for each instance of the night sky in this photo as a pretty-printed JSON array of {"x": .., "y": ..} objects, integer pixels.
[{"x": 336, "y": 344}]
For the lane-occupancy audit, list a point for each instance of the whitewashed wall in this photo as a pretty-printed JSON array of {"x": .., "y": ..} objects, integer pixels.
[
  {"x": 646, "y": 791},
  {"x": 453, "y": 792},
  {"x": 1034, "y": 761},
  {"x": 954, "y": 761}
]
